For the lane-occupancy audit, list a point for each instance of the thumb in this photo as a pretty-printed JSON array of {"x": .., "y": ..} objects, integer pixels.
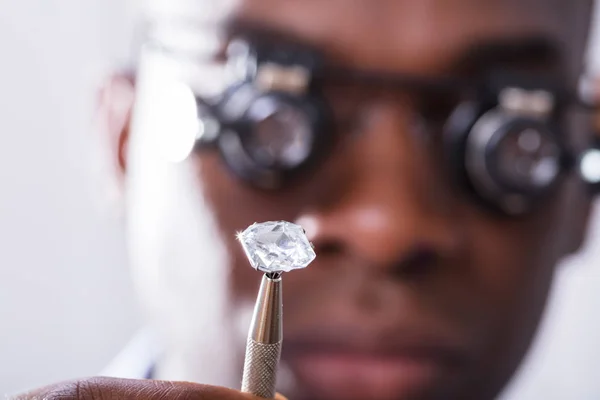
[{"x": 123, "y": 389}]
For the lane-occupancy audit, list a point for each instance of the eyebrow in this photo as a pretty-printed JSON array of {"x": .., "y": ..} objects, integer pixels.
[
  {"x": 529, "y": 51},
  {"x": 541, "y": 53}
]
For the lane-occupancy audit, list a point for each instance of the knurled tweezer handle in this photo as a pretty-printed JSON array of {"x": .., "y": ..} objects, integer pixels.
[
  {"x": 263, "y": 348},
  {"x": 260, "y": 369}
]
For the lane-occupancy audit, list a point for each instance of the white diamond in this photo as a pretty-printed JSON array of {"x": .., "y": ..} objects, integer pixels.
[{"x": 277, "y": 246}]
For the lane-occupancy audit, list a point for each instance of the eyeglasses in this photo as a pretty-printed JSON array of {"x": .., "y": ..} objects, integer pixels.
[{"x": 502, "y": 133}]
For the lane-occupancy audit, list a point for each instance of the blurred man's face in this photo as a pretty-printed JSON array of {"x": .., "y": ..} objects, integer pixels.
[{"x": 417, "y": 292}]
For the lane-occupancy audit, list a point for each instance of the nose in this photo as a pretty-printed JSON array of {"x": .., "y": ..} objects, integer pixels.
[{"x": 386, "y": 203}]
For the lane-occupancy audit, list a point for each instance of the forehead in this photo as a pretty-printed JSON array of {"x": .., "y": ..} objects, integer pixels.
[{"x": 400, "y": 35}]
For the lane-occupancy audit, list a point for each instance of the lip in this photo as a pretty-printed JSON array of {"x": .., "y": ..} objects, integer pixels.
[{"x": 351, "y": 366}]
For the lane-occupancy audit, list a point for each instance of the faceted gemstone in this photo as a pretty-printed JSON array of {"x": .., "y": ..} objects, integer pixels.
[{"x": 277, "y": 246}]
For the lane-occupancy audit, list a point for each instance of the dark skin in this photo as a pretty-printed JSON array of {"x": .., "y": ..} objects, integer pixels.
[{"x": 434, "y": 295}]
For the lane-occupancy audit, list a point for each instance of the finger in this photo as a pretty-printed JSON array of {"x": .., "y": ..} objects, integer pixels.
[{"x": 123, "y": 389}]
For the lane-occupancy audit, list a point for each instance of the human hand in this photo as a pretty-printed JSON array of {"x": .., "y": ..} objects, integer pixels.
[{"x": 124, "y": 389}]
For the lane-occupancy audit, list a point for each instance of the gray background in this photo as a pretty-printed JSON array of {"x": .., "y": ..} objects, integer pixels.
[{"x": 66, "y": 301}]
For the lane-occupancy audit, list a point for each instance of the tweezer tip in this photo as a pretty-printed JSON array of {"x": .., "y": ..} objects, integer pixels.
[{"x": 274, "y": 275}]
